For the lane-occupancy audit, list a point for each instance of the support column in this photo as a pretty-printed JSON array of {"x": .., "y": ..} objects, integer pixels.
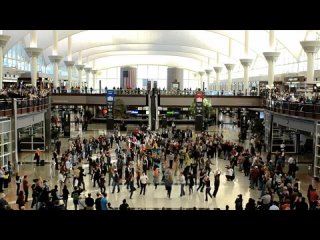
[
  {"x": 94, "y": 72},
  {"x": 55, "y": 60},
  {"x": 88, "y": 71},
  {"x": 208, "y": 71},
  {"x": 310, "y": 48},
  {"x": 218, "y": 71},
  {"x": 80, "y": 67},
  {"x": 246, "y": 62},
  {"x": 69, "y": 65},
  {"x": 229, "y": 67},
  {"x": 201, "y": 82},
  {"x": 271, "y": 58},
  {"x": 33, "y": 53},
  {"x": 174, "y": 75}
]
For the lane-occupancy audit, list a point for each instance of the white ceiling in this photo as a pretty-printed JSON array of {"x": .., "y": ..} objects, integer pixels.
[{"x": 193, "y": 49}]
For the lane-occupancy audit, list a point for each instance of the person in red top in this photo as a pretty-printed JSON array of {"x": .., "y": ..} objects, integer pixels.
[{"x": 312, "y": 197}]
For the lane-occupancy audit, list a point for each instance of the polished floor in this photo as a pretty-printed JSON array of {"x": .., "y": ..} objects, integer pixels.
[{"x": 154, "y": 198}]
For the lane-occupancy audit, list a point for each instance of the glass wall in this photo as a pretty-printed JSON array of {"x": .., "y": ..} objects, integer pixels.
[
  {"x": 16, "y": 57},
  {"x": 152, "y": 72},
  {"x": 5, "y": 142},
  {"x": 109, "y": 78},
  {"x": 32, "y": 137},
  {"x": 192, "y": 80}
]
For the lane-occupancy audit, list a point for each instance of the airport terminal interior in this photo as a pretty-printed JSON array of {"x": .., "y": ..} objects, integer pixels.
[{"x": 159, "y": 120}]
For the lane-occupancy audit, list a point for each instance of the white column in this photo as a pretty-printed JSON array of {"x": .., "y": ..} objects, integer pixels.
[
  {"x": 217, "y": 69},
  {"x": 69, "y": 48},
  {"x": 80, "y": 68},
  {"x": 272, "y": 39},
  {"x": 94, "y": 72},
  {"x": 88, "y": 71},
  {"x": 246, "y": 64},
  {"x": 55, "y": 43},
  {"x": 229, "y": 67},
  {"x": 246, "y": 43},
  {"x": 208, "y": 71},
  {"x": 271, "y": 58},
  {"x": 34, "y": 39},
  {"x": 33, "y": 53},
  {"x": 3, "y": 41},
  {"x": 55, "y": 60},
  {"x": 311, "y": 48},
  {"x": 69, "y": 64},
  {"x": 201, "y": 82}
]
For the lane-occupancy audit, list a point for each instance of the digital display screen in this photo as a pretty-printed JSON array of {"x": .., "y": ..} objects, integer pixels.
[{"x": 261, "y": 116}]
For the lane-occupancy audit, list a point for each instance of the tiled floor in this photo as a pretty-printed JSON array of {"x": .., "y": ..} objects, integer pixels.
[{"x": 227, "y": 194}]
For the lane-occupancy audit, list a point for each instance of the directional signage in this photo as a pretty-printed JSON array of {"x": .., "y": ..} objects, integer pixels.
[
  {"x": 110, "y": 107},
  {"x": 198, "y": 100}
]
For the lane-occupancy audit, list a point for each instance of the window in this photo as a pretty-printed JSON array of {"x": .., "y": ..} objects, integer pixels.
[
  {"x": 192, "y": 79},
  {"x": 151, "y": 72}
]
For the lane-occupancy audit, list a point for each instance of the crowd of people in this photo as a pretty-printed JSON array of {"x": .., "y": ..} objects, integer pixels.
[
  {"x": 23, "y": 91},
  {"x": 146, "y": 157}
]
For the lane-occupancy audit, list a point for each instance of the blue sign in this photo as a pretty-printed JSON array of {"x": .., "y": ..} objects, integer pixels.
[{"x": 110, "y": 96}]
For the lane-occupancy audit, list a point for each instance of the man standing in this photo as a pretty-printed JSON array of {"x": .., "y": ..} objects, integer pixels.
[
  {"x": 216, "y": 183},
  {"x": 89, "y": 202},
  {"x": 97, "y": 202},
  {"x": 124, "y": 205},
  {"x": 104, "y": 202},
  {"x": 58, "y": 146}
]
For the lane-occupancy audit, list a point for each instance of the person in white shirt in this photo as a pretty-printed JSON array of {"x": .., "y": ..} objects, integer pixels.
[
  {"x": 61, "y": 179},
  {"x": 274, "y": 206},
  {"x": 292, "y": 166},
  {"x": 229, "y": 174},
  {"x": 143, "y": 181},
  {"x": 182, "y": 182}
]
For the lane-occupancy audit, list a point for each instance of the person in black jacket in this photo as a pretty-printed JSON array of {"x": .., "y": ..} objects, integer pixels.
[
  {"x": 89, "y": 202},
  {"x": 124, "y": 205},
  {"x": 65, "y": 196},
  {"x": 208, "y": 187},
  {"x": 216, "y": 183},
  {"x": 97, "y": 202}
]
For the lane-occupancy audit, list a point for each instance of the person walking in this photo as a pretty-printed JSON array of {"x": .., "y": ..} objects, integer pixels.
[
  {"x": 131, "y": 185},
  {"x": 18, "y": 183},
  {"x": 143, "y": 181},
  {"x": 183, "y": 183},
  {"x": 65, "y": 196},
  {"x": 239, "y": 202},
  {"x": 25, "y": 186},
  {"x": 156, "y": 178},
  {"x": 116, "y": 180},
  {"x": 168, "y": 182},
  {"x": 216, "y": 182},
  {"x": 208, "y": 187}
]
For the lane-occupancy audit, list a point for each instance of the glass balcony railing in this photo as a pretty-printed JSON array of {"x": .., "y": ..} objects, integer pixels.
[{"x": 310, "y": 110}]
